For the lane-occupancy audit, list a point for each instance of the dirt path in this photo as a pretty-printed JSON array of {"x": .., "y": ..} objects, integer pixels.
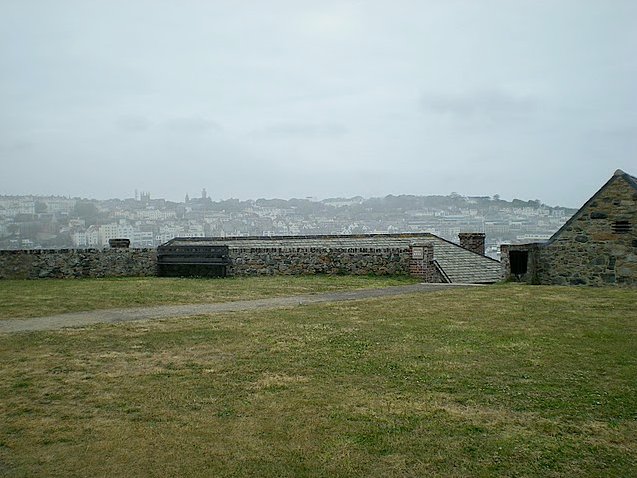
[{"x": 80, "y": 319}]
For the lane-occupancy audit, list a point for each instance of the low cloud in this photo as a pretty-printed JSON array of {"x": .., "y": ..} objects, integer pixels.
[
  {"x": 289, "y": 130},
  {"x": 16, "y": 146},
  {"x": 133, "y": 123},
  {"x": 488, "y": 104},
  {"x": 192, "y": 125}
]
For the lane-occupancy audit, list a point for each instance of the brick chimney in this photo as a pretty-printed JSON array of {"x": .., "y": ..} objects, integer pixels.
[{"x": 474, "y": 241}]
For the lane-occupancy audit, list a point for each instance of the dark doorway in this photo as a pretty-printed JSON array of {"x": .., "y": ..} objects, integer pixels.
[{"x": 519, "y": 262}]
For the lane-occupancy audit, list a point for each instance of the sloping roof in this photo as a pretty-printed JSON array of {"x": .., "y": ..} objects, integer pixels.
[
  {"x": 459, "y": 264},
  {"x": 464, "y": 266},
  {"x": 631, "y": 180}
]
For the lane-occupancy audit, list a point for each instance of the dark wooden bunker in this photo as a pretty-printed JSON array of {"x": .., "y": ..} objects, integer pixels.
[{"x": 192, "y": 257}]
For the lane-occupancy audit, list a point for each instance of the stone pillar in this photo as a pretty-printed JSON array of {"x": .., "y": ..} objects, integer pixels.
[
  {"x": 505, "y": 262},
  {"x": 421, "y": 261},
  {"x": 473, "y": 241}
]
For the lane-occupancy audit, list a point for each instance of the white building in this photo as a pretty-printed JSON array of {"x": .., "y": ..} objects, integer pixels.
[
  {"x": 58, "y": 204},
  {"x": 156, "y": 215},
  {"x": 79, "y": 239},
  {"x": 143, "y": 239},
  {"x": 11, "y": 207}
]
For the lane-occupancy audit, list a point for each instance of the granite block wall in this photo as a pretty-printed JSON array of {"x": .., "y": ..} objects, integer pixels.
[
  {"x": 77, "y": 263},
  {"x": 310, "y": 260},
  {"x": 410, "y": 258},
  {"x": 592, "y": 249}
]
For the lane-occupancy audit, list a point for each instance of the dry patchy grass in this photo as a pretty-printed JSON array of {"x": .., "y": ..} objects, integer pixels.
[{"x": 497, "y": 381}]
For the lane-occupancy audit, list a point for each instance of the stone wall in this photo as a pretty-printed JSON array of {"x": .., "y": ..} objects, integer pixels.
[
  {"x": 313, "y": 260},
  {"x": 589, "y": 250},
  {"x": 386, "y": 255},
  {"x": 77, "y": 263},
  {"x": 597, "y": 246}
]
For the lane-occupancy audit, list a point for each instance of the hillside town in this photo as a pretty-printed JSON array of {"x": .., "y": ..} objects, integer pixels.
[{"x": 53, "y": 222}]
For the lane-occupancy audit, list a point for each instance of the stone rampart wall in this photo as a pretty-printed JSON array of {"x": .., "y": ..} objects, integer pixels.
[
  {"x": 77, "y": 263},
  {"x": 243, "y": 261},
  {"x": 312, "y": 260}
]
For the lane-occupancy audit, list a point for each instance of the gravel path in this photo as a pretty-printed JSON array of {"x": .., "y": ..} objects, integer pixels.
[{"x": 80, "y": 319}]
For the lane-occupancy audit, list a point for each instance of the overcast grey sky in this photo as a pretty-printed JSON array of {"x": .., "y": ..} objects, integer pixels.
[{"x": 522, "y": 98}]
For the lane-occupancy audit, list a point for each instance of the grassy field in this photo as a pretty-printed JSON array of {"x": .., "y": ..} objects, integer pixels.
[
  {"x": 506, "y": 380},
  {"x": 36, "y": 298}
]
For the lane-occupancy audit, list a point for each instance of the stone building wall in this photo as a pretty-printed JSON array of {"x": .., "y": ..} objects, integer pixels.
[
  {"x": 312, "y": 260},
  {"x": 77, "y": 263},
  {"x": 590, "y": 249},
  {"x": 597, "y": 246}
]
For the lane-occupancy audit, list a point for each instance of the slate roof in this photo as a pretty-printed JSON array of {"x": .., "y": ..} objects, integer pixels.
[
  {"x": 464, "y": 266},
  {"x": 458, "y": 264}
]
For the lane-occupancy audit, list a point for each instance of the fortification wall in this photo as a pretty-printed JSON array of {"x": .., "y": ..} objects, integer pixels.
[
  {"x": 77, "y": 263},
  {"x": 411, "y": 258},
  {"x": 311, "y": 260}
]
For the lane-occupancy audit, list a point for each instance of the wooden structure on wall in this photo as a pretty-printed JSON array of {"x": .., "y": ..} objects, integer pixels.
[{"x": 190, "y": 257}]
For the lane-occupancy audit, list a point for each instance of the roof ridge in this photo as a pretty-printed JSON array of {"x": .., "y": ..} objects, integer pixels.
[{"x": 632, "y": 180}]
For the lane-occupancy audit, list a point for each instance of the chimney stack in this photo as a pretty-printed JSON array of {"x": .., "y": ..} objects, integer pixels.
[{"x": 473, "y": 241}]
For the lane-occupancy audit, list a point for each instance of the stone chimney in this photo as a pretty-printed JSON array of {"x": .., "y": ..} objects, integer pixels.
[{"x": 473, "y": 241}]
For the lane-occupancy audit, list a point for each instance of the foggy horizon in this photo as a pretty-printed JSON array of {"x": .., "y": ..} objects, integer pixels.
[
  {"x": 286, "y": 99},
  {"x": 276, "y": 198}
]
